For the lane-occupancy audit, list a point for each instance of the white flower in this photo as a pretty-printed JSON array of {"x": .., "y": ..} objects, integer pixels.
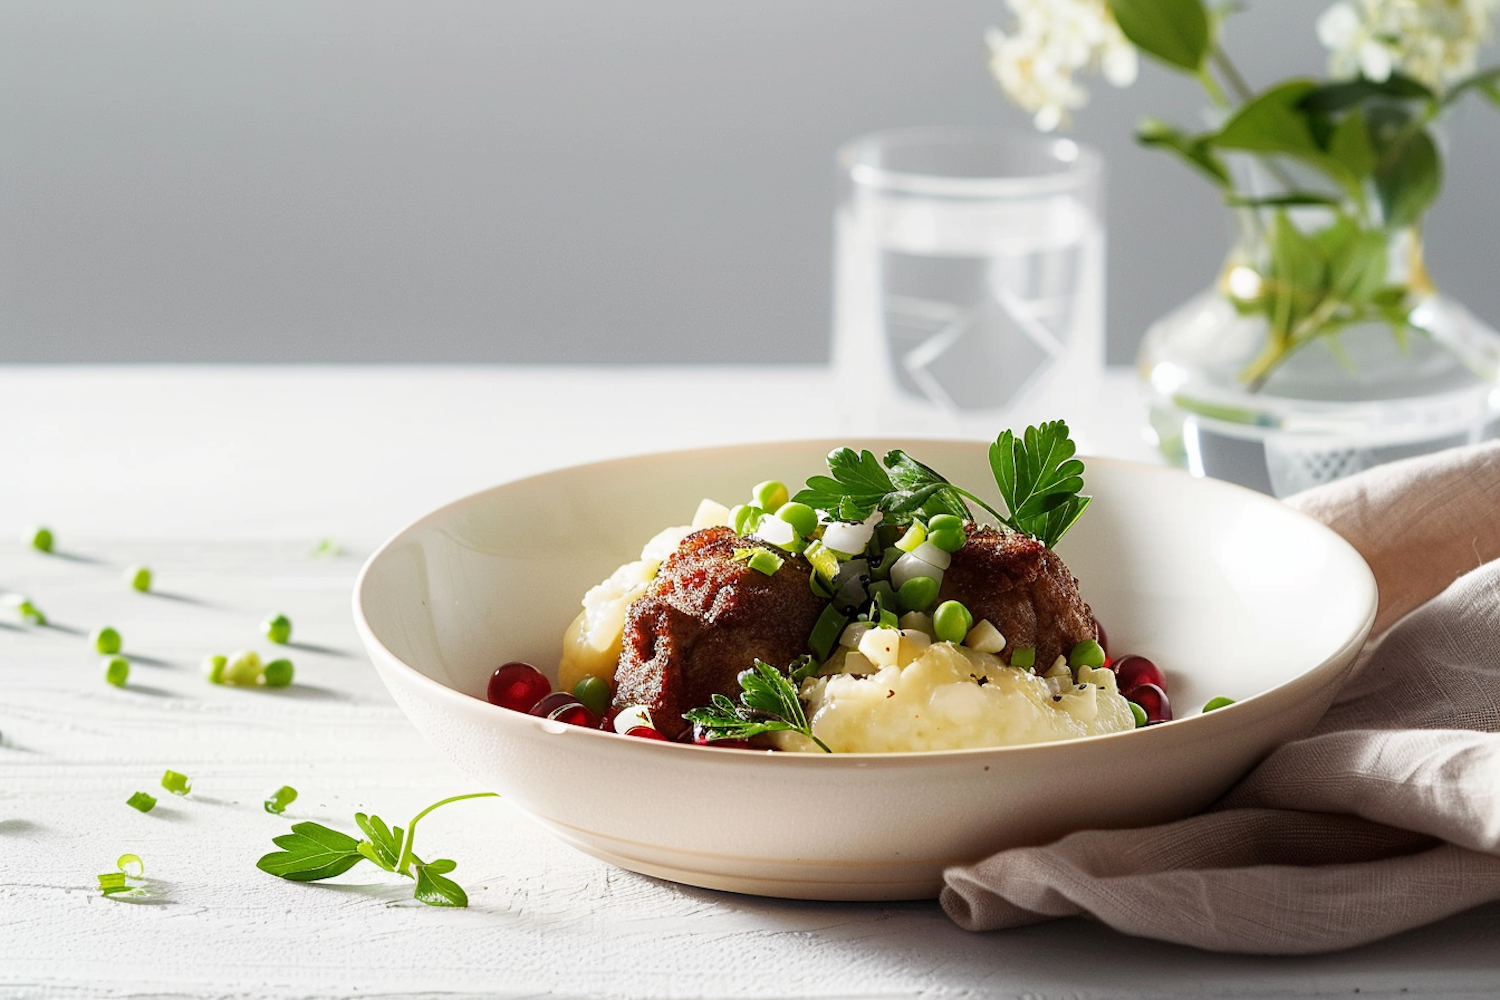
[
  {"x": 1433, "y": 41},
  {"x": 1051, "y": 41}
]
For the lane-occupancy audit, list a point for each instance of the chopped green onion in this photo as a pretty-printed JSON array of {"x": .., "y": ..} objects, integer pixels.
[
  {"x": 1025, "y": 658},
  {"x": 915, "y": 535},
  {"x": 139, "y": 577},
  {"x": 278, "y": 628},
  {"x": 1218, "y": 702},
  {"x": 593, "y": 692},
  {"x": 176, "y": 782},
  {"x": 883, "y": 595},
  {"x": 1139, "y": 714},
  {"x": 888, "y": 619},
  {"x": 951, "y": 621},
  {"x": 745, "y": 518},
  {"x": 41, "y": 539},
  {"x": 106, "y": 640},
  {"x": 882, "y": 571},
  {"x": 31, "y": 613},
  {"x": 243, "y": 669},
  {"x": 278, "y": 800},
  {"x": 824, "y": 563},
  {"x": 140, "y": 800},
  {"x": 326, "y": 547},
  {"x": 213, "y": 668},
  {"x": 278, "y": 673},
  {"x": 1087, "y": 653},
  {"x": 764, "y": 561},
  {"x": 770, "y": 495},
  {"x": 112, "y": 882},
  {"x": 826, "y": 631},
  {"x": 116, "y": 670},
  {"x": 131, "y": 865}
]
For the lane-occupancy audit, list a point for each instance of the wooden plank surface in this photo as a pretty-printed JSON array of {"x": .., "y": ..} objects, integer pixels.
[{"x": 544, "y": 920}]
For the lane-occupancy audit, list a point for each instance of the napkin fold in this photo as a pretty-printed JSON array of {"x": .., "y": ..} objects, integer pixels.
[{"x": 1384, "y": 818}]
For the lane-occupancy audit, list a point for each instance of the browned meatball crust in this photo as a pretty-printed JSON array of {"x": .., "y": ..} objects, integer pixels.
[
  {"x": 706, "y": 617},
  {"x": 1023, "y": 588}
]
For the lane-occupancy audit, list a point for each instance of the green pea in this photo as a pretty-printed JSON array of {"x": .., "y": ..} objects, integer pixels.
[
  {"x": 243, "y": 669},
  {"x": 770, "y": 495},
  {"x": 800, "y": 516},
  {"x": 951, "y": 621},
  {"x": 139, "y": 577},
  {"x": 1218, "y": 702},
  {"x": 278, "y": 673},
  {"x": 41, "y": 539},
  {"x": 1087, "y": 653},
  {"x": 745, "y": 518},
  {"x": 947, "y": 539},
  {"x": 278, "y": 800},
  {"x": 1139, "y": 714},
  {"x": 917, "y": 594},
  {"x": 278, "y": 628},
  {"x": 106, "y": 640},
  {"x": 593, "y": 692},
  {"x": 116, "y": 670},
  {"x": 943, "y": 522}
]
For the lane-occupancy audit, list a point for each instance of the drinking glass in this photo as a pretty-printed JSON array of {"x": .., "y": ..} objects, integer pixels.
[{"x": 969, "y": 280}]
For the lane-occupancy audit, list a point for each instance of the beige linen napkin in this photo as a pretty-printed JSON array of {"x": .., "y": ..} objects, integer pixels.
[{"x": 1386, "y": 817}]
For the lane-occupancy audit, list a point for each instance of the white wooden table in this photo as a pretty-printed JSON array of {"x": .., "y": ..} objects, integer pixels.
[{"x": 222, "y": 480}]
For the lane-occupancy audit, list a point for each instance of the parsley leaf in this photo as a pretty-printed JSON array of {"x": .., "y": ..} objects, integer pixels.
[
  {"x": 857, "y": 486},
  {"x": 1039, "y": 480},
  {"x": 924, "y": 488},
  {"x": 768, "y": 704},
  {"x": 312, "y": 852},
  {"x": 435, "y": 890}
]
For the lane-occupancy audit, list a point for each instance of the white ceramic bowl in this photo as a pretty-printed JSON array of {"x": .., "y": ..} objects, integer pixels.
[{"x": 1231, "y": 592}]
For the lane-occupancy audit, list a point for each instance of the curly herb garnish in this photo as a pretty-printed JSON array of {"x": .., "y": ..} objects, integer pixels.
[
  {"x": 768, "y": 704},
  {"x": 312, "y": 852},
  {"x": 1037, "y": 475}
]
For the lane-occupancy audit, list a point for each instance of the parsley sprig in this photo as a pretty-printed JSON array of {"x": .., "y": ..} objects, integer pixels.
[
  {"x": 768, "y": 704},
  {"x": 313, "y": 852},
  {"x": 1038, "y": 478}
]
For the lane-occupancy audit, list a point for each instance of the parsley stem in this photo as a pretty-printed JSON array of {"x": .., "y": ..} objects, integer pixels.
[
  {"x": 998, "y": 516},
  {"x": 403, "y": 867}
]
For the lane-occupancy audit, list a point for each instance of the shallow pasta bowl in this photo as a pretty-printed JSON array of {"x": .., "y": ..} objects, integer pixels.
[{"x": 1231, "y": 592}]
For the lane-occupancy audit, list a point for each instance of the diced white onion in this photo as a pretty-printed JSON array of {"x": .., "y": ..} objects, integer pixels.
[
  {"x": 635, "y": 715},
  {"x": 710, "y": 514},
  {"x": 913, "y": 565},
  {"x": 776, "y": 531},
  {"x": 854, "y": 632},
  {"x": 851, "y": 569},
  {"x": 1058, "y": 668},
  {"x": 881, "y": 646},
  {"x": 930, "y": 553},
  {"x": 841, "y": 536},
  {"x": 985, "y": 638},
  {"x": 851, "y": 593},
  {"x": 919, "y": 620}
]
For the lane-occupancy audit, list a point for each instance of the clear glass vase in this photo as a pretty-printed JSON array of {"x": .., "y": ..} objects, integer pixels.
[{"x": 1337, "y": 405}]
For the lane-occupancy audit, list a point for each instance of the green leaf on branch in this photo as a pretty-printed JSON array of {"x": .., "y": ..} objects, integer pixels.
[
  {"x": 1194, "y": 150},
  {"x": 1173, "y": 31},
  {"x": 1350, "y": 144},
  {"x": 1276, "y": 123},
  {"x": 1486, "y": 82},
  {"x": 1330, "y": 98},
  {"x": 1408, "y": 172}
]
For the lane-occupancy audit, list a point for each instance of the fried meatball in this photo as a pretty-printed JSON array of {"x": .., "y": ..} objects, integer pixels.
[
  {"x": 1023, "y": 588},
  {"x": 706, "y": 617}
]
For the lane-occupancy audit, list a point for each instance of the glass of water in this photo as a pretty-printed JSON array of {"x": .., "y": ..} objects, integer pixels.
[{"x": 969, "y": 281}]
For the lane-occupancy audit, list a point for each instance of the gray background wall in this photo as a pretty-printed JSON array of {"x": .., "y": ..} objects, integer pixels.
[{"x": 537, "y": 180}]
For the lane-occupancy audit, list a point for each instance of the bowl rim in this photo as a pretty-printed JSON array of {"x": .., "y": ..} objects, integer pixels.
[{"x": 1242, "y": 712}]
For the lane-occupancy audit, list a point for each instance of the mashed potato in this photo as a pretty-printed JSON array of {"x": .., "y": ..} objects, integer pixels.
[{"x": 944, "y": 697}]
